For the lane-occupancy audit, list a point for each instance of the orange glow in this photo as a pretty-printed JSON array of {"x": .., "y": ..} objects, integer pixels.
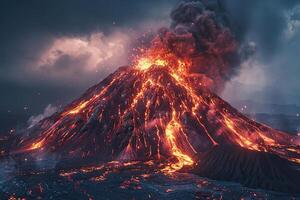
[
  {"x": 159, "y": 56},
  {"x": 146, "y": 63},
  {"x": 79, "y": 108},
  {"x": 183, "y": 160},
  {"x": 36, "y": 145}
]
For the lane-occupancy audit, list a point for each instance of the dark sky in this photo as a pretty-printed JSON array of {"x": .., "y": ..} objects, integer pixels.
[{"x": 51, "y": 51}]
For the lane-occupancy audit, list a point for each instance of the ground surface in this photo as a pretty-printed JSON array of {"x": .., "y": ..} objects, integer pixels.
[{"x": 121, "y": 181}]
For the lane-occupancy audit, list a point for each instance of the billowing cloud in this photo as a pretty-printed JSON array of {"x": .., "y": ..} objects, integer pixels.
[
  {"x": 72, "y": 58},
  {"x": 53, "y": 51}
]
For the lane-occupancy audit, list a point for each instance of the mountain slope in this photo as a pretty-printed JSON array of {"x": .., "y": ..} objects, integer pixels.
[
  {"x": 252, "y": 169},
  {"x": 137, "y": 114}
]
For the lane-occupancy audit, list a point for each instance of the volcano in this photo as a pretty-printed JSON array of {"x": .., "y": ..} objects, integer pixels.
[
  {"x": 164, "y": 107},
  {"x": 154, "y": 113}
]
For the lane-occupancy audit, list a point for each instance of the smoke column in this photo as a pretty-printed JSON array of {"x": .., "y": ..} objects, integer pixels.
[{"x": 201, "y": 32}]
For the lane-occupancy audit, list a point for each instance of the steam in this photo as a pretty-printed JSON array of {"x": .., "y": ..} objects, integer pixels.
[{"x": 48, "y": 111}]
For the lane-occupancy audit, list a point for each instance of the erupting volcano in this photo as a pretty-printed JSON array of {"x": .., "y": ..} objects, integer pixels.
[{"x": 164, "y": 106}]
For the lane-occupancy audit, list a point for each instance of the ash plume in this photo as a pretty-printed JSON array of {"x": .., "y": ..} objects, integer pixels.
[
  {"x": 201, "y": 31},
  {"x": 48, "y": 111}
]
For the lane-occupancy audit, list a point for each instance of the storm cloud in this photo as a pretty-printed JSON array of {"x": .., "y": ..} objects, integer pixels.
[
  {"x": 272, "y": 74},
  {"x": 31, "y": 28}
]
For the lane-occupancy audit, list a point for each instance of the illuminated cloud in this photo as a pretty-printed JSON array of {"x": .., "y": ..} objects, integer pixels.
[{"x": 70, "y": 58}]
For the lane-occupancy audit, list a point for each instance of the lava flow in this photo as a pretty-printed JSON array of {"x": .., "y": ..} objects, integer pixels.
[
  {"x": 163, "y": 107},
  {"x": 155, "y": 109}
]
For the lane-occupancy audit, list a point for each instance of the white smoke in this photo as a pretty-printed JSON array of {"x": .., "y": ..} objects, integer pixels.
[{"x": 48, "y": 111}]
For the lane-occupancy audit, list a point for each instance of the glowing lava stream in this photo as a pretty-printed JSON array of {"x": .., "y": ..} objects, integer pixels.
[{"x": 172, "y": 129}]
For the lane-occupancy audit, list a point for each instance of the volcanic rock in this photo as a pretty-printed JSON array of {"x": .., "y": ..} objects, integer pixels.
[{"x": 250, "y": 168}]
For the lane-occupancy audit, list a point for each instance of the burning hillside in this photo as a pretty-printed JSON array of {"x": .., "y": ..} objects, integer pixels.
[{"x": 164, "y": 106}]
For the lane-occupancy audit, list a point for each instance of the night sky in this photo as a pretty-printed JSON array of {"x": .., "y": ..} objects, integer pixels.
[{"x": 52, "y": 51}]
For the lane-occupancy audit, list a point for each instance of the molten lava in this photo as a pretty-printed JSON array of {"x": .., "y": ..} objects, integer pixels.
[
  {"x": 154, "y": 110},
  {"x": 172, "y": 129}
]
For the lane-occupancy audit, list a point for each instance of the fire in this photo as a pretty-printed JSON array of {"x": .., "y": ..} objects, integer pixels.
[
  {"x": 36, "y": 145},
  {"x": 146, "y": 63},
  {"x": 78, "y": 108},
  {"x": 159, "y": 55}
]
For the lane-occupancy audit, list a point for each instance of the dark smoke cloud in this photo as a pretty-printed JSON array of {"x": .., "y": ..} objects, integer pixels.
[
  {"x": 201, "y": 31},
  {"x": 268, "y": 36}
]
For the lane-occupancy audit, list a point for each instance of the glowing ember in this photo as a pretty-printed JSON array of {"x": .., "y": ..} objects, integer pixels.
[{"x": 36, "y": 145}]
